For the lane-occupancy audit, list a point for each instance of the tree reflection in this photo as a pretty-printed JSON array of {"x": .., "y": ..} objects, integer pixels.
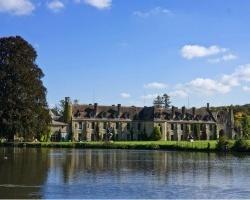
[{"x": 23, "y": 172}]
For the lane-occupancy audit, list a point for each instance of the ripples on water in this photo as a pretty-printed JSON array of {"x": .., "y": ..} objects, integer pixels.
[{"x": 79, "y": 173}]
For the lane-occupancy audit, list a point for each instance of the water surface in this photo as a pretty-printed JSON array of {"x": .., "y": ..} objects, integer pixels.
[{"x": 80, "y": 173}]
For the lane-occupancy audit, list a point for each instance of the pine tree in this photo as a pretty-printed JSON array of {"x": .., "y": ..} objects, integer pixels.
[
  {"x": 166, "y": 100},
  {"x": 158, "y": 102}
]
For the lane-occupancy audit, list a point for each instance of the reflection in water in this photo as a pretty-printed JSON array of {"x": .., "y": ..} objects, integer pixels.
[
  {"x": 22, "y": 172},
  {"x": 78, "y": 173}
]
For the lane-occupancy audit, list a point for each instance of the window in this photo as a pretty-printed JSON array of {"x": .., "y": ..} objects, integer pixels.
[
  {"x": 139, "y": 126},
  {"x": 80, "y": 125},
  {"x": 128, "y": 126},
  {"x": 93, "y": 125},
  {"x": 75, "y": 125},
  {"x": 105, "y": 125},
  {"x": 172, "y": 126},
  {"x": 210, "y": 127},
  {"x": 182, "y": 127},
  {"x": 117, "y": 125}
]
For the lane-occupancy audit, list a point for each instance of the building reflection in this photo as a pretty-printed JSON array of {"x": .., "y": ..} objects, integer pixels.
[
  {"x": 175, "y": 167},
  {"x": 72, "y": 173}
]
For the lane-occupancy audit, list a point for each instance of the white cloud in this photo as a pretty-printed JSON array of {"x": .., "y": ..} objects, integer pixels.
[
  {"x": 99, "y": 4},
  {"x": 149, "y": 96},
  {"x": 152, "y": 12},
  {"x": 125, "y": 95},
  {"x": 229, "y": 57},
  {"x": 178, "y": 93},
  {"x": 209, "y": 86},
  {"x": 17, "y": 7},
  {"x": 196, "y": 51},
  {"x": 55, "y": 5},
  {"x": 155, "y": 85},
  {"x": 222, "y": 85},
  {"x": 226, "y": 57}
]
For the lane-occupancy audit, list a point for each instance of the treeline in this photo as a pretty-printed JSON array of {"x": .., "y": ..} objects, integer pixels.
[{"x": 245, "y": 109}]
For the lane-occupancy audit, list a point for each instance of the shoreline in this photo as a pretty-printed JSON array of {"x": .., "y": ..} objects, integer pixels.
[{"x": 196, "y": 146}]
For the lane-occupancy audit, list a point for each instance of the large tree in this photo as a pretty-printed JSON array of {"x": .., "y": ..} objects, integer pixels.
[{"x": 23, "y": 106}]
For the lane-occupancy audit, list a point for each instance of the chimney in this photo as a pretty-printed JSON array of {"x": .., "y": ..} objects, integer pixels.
[
  {"x": 95, "y": 107},
  {"x": 193, "y": 111},
  {"x": 173, "y": 112},
  {"x": 119, "y": 110},
  {"x": 208, "y": 106}
]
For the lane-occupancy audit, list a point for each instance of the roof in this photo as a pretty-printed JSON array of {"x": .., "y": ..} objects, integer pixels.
[
  {"x": 96, "y": 111},
  {"x": 57, "y": 123}
]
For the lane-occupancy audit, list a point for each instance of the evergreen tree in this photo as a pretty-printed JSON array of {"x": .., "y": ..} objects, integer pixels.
[
  {"x": 156, "y": 133},
  {"x": 23, "y": 107},
  {"x": 166, "y": 100},
  {"x": 158, "y": 102}
]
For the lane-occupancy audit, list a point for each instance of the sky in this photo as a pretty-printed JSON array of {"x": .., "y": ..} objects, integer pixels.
[{"x": 130, "y": 51}]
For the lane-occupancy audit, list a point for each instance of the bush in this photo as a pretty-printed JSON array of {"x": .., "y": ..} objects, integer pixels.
[
  {"x": 222, "y": 144},
  {"x": 156, "y": 135},
  {"x": 240, "y": 145}
]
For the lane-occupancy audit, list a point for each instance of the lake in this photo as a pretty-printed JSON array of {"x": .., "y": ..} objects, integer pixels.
[{"x": 90, "y": 173}]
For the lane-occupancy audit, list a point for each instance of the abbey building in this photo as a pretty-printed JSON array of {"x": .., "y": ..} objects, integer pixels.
[{"x": 92, "y": 122}]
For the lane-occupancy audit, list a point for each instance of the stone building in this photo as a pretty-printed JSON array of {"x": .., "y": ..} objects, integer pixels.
[
  {"x": 93, "y": 122},
  {"x": 58, "y": 128}
]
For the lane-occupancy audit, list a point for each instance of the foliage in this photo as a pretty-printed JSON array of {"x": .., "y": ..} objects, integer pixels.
[
  {"x": 222, "y": 144},
  {"x": 166, "y": 100},
  {"x": 240, "y": 145},
  {"x": 156, "y": 135},
  {"x": 245, "y": 126},
  {"x": 23, "y": 111},
  {"x": 158, "y": 102},
  {"x": 59, "y": 109},
  {"x": 162, "y": 101}
]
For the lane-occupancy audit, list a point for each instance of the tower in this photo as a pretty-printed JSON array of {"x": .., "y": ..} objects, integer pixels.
[
  {"x": 67, "y": 114},
  {"x": 231, "y": 123}
]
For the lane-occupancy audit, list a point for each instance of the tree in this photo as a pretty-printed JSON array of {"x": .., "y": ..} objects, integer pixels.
[
  {"x": 246, "y": 126},
  {"x": 166, "y": 100},
  {"x": 162, "y": 101},
  {"x": 23, "y": 106},
  {"x": 59, "y": 108},
  {"x": 156, "y": 135},
  {"x": 158, "y": 102}
]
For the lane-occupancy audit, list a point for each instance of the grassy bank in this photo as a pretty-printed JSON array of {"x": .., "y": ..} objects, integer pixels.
[
  {"x": 207, "y": 146},
  {"x": 166, "y": 145}
]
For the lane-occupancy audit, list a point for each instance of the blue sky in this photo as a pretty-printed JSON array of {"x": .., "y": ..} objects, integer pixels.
[{"x": 128, "y": 51}]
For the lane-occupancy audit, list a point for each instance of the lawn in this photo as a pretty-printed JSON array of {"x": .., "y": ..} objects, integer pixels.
[{"x": 201, "y": 145}]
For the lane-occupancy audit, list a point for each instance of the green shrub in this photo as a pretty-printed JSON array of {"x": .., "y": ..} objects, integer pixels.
[
  {"x": 222, "y": 144},
  {"x": 240, "y": 145},
  {"x": 156, "y": 135}
]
